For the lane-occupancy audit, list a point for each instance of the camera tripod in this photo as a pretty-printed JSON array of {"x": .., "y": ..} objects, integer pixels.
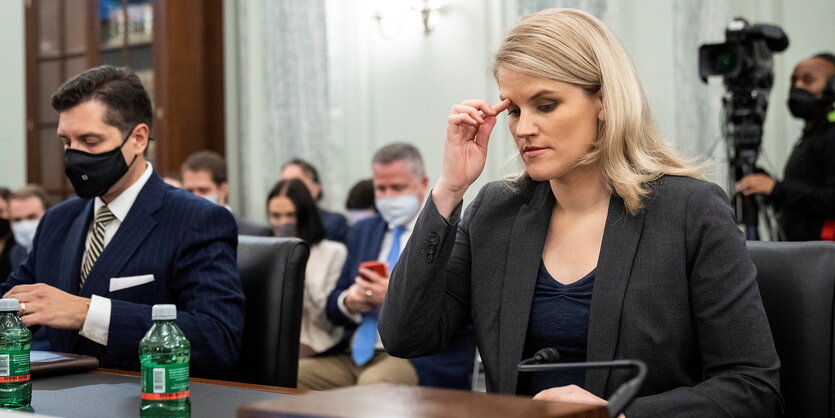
[{"x": 750, "y": 210}]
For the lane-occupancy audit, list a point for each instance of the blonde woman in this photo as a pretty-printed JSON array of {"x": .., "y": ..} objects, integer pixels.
[{"x": 608, "y": 246}]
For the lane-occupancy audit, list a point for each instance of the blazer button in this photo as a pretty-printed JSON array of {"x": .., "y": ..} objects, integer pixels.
[
  {"x": 433, "y": 238},
  {"x": 429, "y": 257}
]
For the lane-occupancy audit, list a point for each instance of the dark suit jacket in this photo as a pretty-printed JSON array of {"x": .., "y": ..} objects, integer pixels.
[
  {"x": 336, "y": 226},
  {"x": 13, "y": 254},
  {"x": 675, "y": 287},
  {"x": 449, "y": 368},
  {"x": 186, "y": 242}
]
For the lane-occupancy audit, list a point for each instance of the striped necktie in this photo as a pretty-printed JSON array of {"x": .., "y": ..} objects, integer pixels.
[{"x": 103, "y": 218}]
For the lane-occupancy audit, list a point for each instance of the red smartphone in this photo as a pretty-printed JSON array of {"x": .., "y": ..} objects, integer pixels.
[{"x": 377, "y": 266}]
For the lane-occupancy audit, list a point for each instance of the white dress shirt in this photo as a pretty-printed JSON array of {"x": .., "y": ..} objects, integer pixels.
[
  {"x": 385, "y": 248},
  {"x": 97, "y": 324}
]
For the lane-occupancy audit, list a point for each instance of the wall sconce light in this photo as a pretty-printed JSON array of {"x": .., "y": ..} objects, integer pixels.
[
  {"x": 391, "y": 18},
  {"x": 430, "y": 12}
]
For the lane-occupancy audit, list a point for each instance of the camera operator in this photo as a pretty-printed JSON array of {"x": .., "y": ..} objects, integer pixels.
[{"x": 805, "y": 198}]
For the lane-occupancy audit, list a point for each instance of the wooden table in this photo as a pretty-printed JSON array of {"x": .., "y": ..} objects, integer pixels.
[
  {"x": 385, "y": 400},
  {"x": 113, "y": 393}
]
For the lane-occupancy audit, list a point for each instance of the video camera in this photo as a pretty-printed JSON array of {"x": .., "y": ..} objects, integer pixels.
[
  {"x": 745, "y": 57},
  {"x": 745, "y": 63}
]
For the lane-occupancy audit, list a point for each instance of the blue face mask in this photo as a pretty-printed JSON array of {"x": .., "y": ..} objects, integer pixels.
[{"x": 398, "y": 210}]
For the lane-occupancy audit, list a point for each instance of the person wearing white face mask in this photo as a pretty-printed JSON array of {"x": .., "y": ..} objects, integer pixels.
[
  {"x": 26, "y": 208},
  {"x": 400, "y": 188},
  {"x": 204, "y": 175}
]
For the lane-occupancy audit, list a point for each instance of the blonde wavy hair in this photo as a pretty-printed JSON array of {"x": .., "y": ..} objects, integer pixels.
[{"x": 574, "y": 47}]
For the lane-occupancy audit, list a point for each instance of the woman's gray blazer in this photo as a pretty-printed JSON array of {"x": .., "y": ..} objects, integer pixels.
[{"x": 675, "y": 287}]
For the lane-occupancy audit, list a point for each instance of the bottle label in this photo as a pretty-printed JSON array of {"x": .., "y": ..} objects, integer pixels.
[
  {"x": 165, "y": 382},
  {"x": 14, "y": 366}
]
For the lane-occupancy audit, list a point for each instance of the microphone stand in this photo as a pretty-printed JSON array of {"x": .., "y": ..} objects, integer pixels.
[{"x": 623, "y": 395}]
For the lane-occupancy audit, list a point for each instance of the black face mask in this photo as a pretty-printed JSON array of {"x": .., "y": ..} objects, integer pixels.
[
  {"x": 805, "y": 105},
  {"x": 5, "y": 227},
  {"x": 93, "y": 175}
]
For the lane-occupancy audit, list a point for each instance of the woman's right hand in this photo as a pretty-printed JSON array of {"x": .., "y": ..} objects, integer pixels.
[{"x": 465, "y": 150}]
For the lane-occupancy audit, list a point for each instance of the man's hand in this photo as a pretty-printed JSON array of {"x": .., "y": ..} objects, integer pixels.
[
  {"x": 374, "y": 286},
  {"x": 46, "y": 305},
  {"x": 756, "y": 184},
  {"x": 356, "y": 300},
  {"x": 368, "y": 291}
]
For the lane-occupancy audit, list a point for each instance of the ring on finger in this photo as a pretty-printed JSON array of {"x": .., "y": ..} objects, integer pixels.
[
  {"x": 368, "y": 292},
  {"x": 22, "y": 308}
]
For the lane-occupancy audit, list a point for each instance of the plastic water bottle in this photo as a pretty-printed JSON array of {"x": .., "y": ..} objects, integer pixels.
[
  {"x": 164, "y": 354},
  {"x": 15, "y": 338}
]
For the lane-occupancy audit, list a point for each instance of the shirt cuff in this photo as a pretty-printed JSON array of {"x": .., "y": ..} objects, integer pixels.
[
  {"x": 341, "y": 303},
  {"x": 97, "y": 323}
]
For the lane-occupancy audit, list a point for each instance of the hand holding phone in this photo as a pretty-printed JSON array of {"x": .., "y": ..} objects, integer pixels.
[
  {"x": 372, "y": 289},
  {"x": 376, "y": 266}
]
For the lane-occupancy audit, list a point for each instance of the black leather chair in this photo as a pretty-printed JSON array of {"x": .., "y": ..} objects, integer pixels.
[
  {"x": 797, "y": 283},
  {"x": 272, "y": 276}
]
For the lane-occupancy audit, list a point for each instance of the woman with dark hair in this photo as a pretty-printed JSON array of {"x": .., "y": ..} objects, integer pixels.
[{"x": 293, "y": 213}]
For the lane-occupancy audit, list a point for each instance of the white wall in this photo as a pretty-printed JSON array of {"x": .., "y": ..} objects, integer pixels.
[
  {"x": 399, "y": 87},
  {"x": 12, "y": 95}
]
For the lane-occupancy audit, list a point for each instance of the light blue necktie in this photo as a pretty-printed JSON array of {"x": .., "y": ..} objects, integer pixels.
[{"x": 365, "y": 338}]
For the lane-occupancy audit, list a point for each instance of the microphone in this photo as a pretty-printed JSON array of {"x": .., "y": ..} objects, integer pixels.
[
  {"x": 547, "y": 358},
  {"x": 546, "y": 355}
]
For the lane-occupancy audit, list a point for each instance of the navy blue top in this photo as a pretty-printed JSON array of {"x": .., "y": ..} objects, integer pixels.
[
  {"x": 336, "y": 226},
  {"x": 559, "y": 319}
]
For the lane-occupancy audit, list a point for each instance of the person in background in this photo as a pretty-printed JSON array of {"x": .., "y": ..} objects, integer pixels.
[
  {"x": 336, "y": 226},
  {"x": 293, "y": 213},
  {"x": 11, "y": 254},
  {"x": 805, "y": 198},
  {"x": 400, "y": 188},
  {"x": 26, "y": 208},
  {"x": 609, "y": 246},
  {"x": 360, "y": 201},
  {"x": 128, "y": 241},
  {"x": 173, "y": 181},
  {"x": 204, "y": 174}
]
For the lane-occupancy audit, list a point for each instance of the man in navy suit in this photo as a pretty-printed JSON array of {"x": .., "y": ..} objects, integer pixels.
[
  {"x": 336, "y": 225},
  {"x": 400, "y": 187},
  {"x": 129, "y": 241}
]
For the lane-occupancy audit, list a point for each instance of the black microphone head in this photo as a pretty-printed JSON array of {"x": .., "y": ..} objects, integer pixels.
[{"x": 547, "y": 355}]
